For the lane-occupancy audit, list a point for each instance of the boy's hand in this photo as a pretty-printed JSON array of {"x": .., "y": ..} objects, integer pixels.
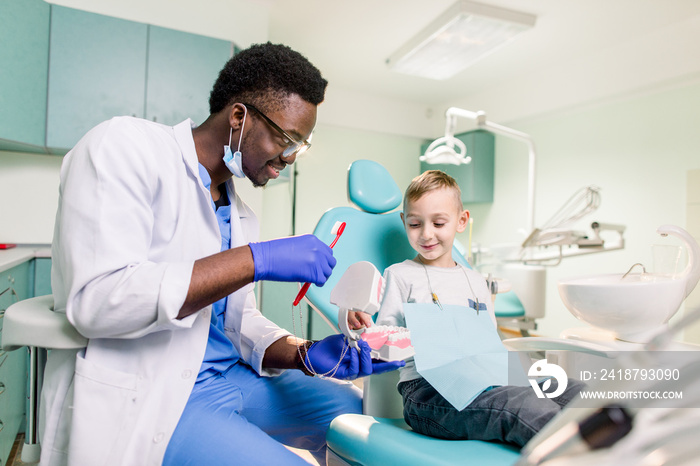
[{"x": 358, "y": 320}]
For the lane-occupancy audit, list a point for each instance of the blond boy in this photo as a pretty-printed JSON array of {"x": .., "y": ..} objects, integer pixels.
[{"x": 432, "y": 215}]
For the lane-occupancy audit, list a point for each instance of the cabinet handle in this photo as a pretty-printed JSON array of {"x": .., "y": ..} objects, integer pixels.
[
  {"x": 2, "y": 425},
  {"x": 12, "y": 292},
  {"x": 2, "y": 388}
]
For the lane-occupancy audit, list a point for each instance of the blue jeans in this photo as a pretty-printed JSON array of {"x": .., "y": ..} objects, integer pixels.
[
  {"x": 238, "y": 417},
  {"x": 507, "y": 413}
]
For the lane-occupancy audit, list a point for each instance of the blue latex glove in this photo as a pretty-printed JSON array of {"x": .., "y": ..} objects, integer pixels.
[
  {"x": 379, "y": 366},
  {"x": 323, "y": 357},
  {"x": 295, "y": 259}
]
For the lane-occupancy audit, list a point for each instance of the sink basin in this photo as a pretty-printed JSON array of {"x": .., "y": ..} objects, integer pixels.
[{"x": 634, "y": 308}]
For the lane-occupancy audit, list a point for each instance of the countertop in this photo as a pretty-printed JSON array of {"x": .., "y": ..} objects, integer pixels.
[{"x": 15, "y": 256}]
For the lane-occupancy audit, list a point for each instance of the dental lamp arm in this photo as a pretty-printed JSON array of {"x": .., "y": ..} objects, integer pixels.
[{"x": 480, "y": 117}]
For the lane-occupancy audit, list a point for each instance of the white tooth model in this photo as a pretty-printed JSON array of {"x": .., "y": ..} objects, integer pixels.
[
  {"x": 360, "y": 289},
  {"x": 388, "y": 342}
]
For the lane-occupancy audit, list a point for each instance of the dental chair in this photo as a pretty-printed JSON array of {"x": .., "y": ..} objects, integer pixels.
[
  {"x": 33, "y": 323},
  {"x": 380, "y": 435}
]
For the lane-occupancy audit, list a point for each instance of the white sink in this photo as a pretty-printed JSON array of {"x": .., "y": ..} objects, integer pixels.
[{"x": 634, "y": 308}]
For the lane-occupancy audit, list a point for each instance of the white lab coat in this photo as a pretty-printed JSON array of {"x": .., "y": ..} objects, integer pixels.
[{"x": 133, "y": 217}]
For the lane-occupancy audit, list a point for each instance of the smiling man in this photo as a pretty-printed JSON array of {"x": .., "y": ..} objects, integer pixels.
[{"x": 154, "y": 261}]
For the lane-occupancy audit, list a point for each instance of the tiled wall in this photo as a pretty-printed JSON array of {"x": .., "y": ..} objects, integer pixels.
[{"x": 692, "y": 334}]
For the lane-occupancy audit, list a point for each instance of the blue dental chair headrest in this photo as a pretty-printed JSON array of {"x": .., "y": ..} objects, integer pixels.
[{"x": 371, "y": 187}]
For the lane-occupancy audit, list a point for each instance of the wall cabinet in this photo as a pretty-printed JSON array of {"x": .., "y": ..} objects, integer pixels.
[
  {"x": 15, "y": 284},
  {"x": 69, "y": 70},
  {"x": 182, "y": 69},
  {"x": 101, "y": 67},
  {"x": 476, "y": 178},
  {"x": 96, "y": 70},
  {"x": 24, "y": 58}
]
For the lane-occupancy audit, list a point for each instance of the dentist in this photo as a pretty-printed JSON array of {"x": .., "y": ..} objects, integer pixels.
[{"x": 154, "y": 261}]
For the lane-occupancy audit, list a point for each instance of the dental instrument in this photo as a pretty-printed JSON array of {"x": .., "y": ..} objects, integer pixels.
[{"x": 337, "y": 230}]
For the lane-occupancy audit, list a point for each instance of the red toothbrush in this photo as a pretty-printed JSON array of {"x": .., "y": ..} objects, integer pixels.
[{"x": 337, "y": 229}]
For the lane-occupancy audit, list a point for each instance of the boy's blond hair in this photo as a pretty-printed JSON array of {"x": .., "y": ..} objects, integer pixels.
[{"x": 430, "y": 181}]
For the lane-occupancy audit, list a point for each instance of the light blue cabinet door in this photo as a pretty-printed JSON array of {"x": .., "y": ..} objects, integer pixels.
[
  {"x": 182, "y": 69},
  {"x": 97, "y": 70},
  {"x": 42, "y": 276},
  {"x": 24, "y": 52},
  {"x": 13, "y": 365}
]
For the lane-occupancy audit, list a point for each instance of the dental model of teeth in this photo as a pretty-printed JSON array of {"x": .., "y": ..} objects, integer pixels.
[{"x": 389, "y": 343}]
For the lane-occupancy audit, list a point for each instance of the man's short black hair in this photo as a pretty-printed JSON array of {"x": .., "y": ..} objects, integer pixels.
[{"x": 264, "y": 75}]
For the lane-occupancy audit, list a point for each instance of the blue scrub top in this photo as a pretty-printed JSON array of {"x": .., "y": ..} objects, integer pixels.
[{"x": 220, "y": 353}]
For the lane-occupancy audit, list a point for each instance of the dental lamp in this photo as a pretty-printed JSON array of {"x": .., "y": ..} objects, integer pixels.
[{"x": 442, "y": 150}]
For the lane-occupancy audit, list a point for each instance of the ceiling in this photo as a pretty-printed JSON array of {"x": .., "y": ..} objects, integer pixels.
[
  {"x": 350, "y": 41},
  {"x": 580, "y": 53}
]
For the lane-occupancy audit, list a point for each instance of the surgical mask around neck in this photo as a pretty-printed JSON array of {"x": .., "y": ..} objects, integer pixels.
[{"x": 233, "y": 160}]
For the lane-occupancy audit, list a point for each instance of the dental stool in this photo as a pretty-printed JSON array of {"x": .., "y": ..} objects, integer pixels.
[
  {"x": 33, "y": 323},
  {"x": 380, "y": 435}
]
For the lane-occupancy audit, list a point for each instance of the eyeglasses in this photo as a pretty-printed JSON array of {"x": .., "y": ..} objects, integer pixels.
[{"x": 294, "y": 146}]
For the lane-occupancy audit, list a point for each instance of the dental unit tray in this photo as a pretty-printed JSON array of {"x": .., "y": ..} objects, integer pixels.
[
  {"x": 360, "y": 289},
  {"x": 556, "y": 234}
]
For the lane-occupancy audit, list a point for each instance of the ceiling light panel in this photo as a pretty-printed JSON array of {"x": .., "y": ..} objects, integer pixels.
[{"x": 465, "y": 33}]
